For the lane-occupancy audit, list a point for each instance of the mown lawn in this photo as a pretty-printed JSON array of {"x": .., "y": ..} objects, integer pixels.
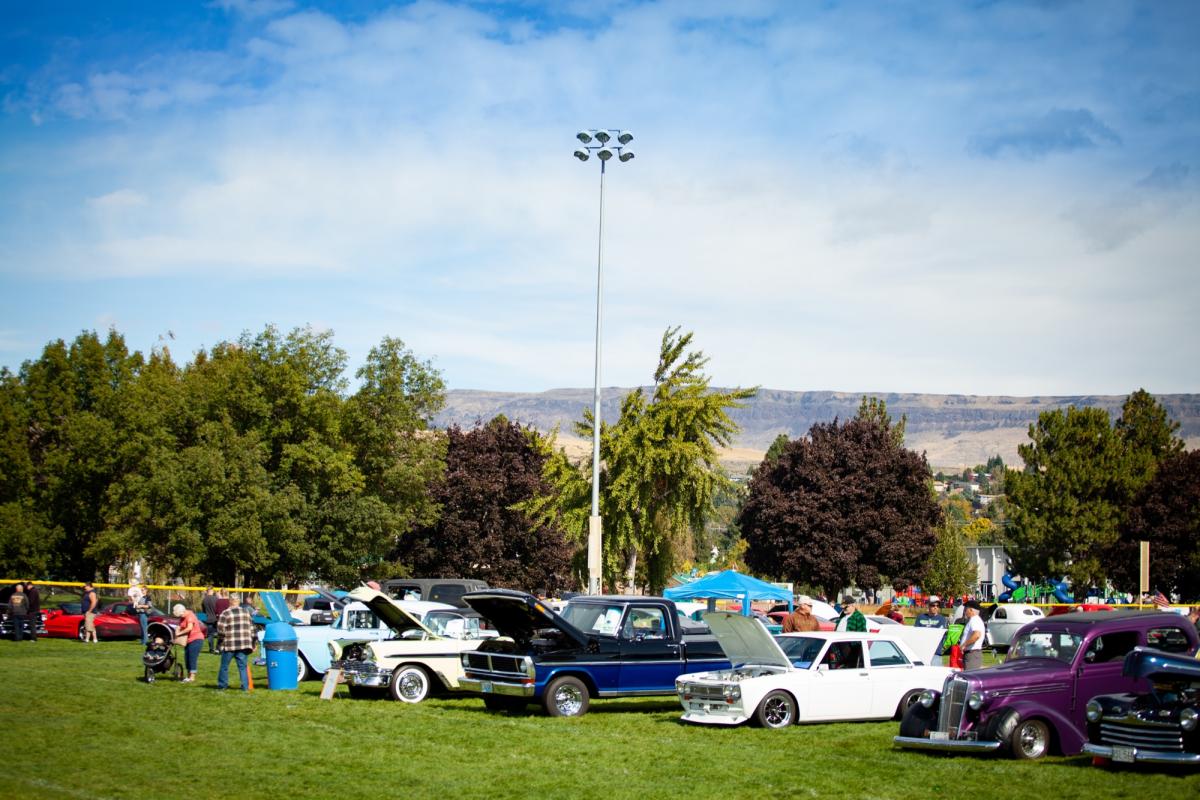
[{"x": 78, "y": 722}]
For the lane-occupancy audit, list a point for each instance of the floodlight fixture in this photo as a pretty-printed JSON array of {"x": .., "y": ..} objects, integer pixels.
[
  {"x": 604, "y": 153},
  {"x": 581, "y": 153},
  {"x": 602, "y": 136},
  {"x": 584, "y": 137},
  {"x": 624, "y": 137},
  {"x": 626, "y": 155}
]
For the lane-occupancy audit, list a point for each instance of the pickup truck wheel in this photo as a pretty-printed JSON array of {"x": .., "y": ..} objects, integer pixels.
[
  {"x": 409, "y": 684},
  {"x": 777, "y": 710},
  {"x": 566, "y": 697},
  {"x": 1029, "y": 740},
  {"x": 501, "y": 703},
  {"x": 918, "y": 721},
  {"x": 908, "y": 701}
]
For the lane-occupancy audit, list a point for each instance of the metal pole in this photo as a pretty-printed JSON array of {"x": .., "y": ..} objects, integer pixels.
[{"x": 595, "y": 526}]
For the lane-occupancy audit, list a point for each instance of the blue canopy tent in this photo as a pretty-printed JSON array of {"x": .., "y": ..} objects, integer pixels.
[{"x": 729, "y": 585}]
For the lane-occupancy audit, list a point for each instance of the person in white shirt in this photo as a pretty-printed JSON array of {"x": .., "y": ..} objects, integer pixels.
[
  {"x": 972, "y": 638},
  {"x": 139, "y": 604}
]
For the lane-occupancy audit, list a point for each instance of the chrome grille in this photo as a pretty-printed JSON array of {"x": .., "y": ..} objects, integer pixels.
[
  {"x": 496, "y": 662},
  {"x": 1135, "y": 733},
  {"x": 953, "y": 706},
  {"x": 706, "y": 692}
]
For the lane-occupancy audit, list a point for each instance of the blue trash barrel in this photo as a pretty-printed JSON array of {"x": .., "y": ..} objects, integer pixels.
[{"x": 279, "y": 640}]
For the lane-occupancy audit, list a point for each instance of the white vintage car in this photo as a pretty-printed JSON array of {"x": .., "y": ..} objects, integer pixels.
[
  {"x": 1006, "y": 620},
  {"x": 413, "y": 664},
  {"x": 804, "y": 677}
]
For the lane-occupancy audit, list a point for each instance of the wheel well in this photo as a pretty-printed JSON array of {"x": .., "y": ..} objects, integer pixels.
[
  {"x": 436, "y": 681},
  {"x": 583, "y": 677}
]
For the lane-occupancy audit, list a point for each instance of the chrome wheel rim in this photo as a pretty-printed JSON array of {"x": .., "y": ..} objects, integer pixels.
[
  {"x": 1032, "y": 741},
  {"x": 411, "y": 686},
  {"x": 777, "y": 711},
  {"x": 568, "y": 700}
]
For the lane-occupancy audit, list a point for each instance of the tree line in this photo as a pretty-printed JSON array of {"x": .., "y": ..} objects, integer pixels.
[{"x": 256, "y": 462}]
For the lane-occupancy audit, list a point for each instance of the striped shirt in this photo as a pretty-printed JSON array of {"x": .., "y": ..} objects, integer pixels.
[{"x": 235, "y": 630}]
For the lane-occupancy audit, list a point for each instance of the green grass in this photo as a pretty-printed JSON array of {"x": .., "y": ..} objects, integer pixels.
[{"x": 79, "y": 723}]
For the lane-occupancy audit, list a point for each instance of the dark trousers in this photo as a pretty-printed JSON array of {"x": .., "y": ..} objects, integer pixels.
[
  {"x": 18, "y": 626},
  {"x": 142, "y": 622}
]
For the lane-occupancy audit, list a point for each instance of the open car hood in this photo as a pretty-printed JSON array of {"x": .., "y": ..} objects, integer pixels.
[
  {"x": 392, "y": 615},
  {"x": 745, "y": 640},
  {"x": 1144, "y": 662},
  {"x": 520, "y": 616}
]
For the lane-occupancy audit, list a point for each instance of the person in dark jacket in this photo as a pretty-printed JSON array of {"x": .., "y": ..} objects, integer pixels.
[
  {"x": 18, "y": 611},
  {"x": 209, "y": 606},
  {"x": 34, "y": 597}
]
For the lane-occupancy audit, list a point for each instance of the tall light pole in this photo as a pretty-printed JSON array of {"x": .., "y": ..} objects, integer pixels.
[{"x": 600, "y": 142}]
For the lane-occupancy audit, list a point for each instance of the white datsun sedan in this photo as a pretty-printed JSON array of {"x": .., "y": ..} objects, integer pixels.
[{"x": 804, "y": 677}]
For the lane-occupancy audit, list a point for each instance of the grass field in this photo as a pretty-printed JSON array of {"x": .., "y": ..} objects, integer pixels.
[{"x": 78, "y": 722}]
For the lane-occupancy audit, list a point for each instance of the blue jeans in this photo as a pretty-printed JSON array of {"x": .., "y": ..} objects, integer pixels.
[
  {"x": 223, "y": 671},
  {"x": 192, "y": 654},
  {"x": 142, "y": 622}
]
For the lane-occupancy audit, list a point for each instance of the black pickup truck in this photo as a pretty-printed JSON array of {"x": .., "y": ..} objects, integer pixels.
[{"x": 600, "y": 646}]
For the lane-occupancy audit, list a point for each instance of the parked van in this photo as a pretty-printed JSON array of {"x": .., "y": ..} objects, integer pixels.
[{"x": 437, "y": 590}]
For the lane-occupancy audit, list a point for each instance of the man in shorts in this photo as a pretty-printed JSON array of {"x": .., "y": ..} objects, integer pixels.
[{"x": 91, "y": 603}]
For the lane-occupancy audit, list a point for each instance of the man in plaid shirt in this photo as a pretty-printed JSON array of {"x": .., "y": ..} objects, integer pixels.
[{"x": 235, "y": 638}]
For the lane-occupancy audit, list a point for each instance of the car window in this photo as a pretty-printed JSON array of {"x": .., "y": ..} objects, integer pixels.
[
  {"x": 1032, "y": 612},
  {"x": 361, "y": 619},
  {"x": 1110, "y": 647},
  {"x": 800, "y": 650},
  {"x": 1059, "y": 645},
  {"x": 843, "y": 655},
  {"x": 886, "y": 654},
  {"x": 449, "y": 593},
  {"x": 1168, "y": 639},
  {"x": 594, "y": 618},
  {"x": 1000, "y": 613},
  {"x": 644, "y": 622}
]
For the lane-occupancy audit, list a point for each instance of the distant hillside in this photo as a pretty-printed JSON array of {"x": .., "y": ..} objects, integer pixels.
[{"x": 953, "y": 430}]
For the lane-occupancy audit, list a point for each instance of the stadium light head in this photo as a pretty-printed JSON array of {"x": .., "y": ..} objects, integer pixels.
[
  {"x": 581, "y": 154},
  {"x": 584, "y": 137},
  {"x": 625, "y": 137}
]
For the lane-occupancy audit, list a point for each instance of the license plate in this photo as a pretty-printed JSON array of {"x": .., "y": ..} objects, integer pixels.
[
  {"x": 939, "y": 736},
  {"x": 1123, "y": 754},
  {"x": 485, "y": 686}
]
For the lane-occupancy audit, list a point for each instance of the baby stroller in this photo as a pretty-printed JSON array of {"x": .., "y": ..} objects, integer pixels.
[{"x": 161, "y": 654}]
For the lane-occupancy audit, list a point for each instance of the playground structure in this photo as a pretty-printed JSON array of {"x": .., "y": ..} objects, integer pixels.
[{"x": 1034, "y": 592}]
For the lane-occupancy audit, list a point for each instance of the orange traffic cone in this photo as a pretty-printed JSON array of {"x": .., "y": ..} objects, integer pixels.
[{"x": 249, "y": 679}]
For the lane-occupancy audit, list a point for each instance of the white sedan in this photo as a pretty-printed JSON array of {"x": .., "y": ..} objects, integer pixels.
[
  {"x": 804, "y": 677},
  {"x": 1006, "y": 620}
]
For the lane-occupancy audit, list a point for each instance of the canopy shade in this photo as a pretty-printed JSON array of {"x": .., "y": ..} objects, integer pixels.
[{"x": 729, "y": 585}]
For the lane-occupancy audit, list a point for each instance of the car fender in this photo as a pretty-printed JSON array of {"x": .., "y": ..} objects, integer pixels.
[
  {"x": 573, "y": 672},
  {"x": 1062, "y": 730}
]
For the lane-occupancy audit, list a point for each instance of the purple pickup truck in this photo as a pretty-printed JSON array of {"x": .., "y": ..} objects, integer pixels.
[{"x": 1035, "y": 702}]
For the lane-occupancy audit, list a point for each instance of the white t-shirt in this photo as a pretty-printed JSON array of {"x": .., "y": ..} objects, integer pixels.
[
  {"x": 135, "y": 595},
  {"x": 975, "y": 623}
]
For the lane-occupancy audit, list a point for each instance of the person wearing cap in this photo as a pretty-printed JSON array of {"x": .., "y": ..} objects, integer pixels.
[
  {"x": 932, "y": 617},
  {"x": 851, "y": 619},
  {"x": 972, "y": 641},
  {"x": 801, "y": 620},
  {"x": 191, "y": 635}
]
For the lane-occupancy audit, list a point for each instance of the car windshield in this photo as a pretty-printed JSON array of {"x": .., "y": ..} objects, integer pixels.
[
  {"x": 595, "y": 618},
  {"x": 802, "y": 651},
  {"x": 1059, "y": 645},
  {"x": 452, "y": 625}
]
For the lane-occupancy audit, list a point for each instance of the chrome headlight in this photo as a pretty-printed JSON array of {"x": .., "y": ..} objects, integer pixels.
[
  {"x": 1094, "y": 711},
  {"x": 927, "y": 697},
  {"x": 732, "y": 692},
  {"x": 1188, "y": 718},
  {"x": 975, "y": 701},
  {"x": 464, "y": 660}
]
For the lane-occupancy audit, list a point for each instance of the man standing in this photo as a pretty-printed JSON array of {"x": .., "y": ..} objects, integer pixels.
[
  {"x": 972, "y": 642},
  {"x": 801, "y": 620},
  {"x": 90, "y": 604},
  {"x": 139, "y": 604},
  {"x": 34, "y": 598},
  {"x": 851, "y": 619},
  {"x": 18, "y": 611},
  {"x": 932, "y": 618},
  {"x": 235, "y": 629},
  {"x": 1194, "y": 616},
  {"x": 209, "y": 606}
]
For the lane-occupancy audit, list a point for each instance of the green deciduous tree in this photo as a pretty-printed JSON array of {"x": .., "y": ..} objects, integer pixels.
[{"x": 949, "y": 571}]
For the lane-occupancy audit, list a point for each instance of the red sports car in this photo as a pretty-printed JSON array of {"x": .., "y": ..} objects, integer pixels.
[{"x": 114, "y": 621}]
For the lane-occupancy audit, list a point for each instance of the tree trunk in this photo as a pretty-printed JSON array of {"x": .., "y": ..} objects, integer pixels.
[{"x": 631, "y": 559}]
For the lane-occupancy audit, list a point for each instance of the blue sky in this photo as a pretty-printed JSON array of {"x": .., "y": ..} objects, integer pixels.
[{"x": 957, "y": 197}]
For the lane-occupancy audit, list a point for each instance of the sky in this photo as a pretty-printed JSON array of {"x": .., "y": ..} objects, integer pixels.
[{"x": 995, "y": 198}]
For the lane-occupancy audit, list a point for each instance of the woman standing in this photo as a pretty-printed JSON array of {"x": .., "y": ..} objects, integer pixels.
[{"x": 190, "y": 631}]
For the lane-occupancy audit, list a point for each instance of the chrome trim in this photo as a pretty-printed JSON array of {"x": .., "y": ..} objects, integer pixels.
[
  {"x": 1133, "y": 732},
  {"x": 953, "y": 708},
  {"x": 1144, "y": 756},
  {"x": 921, "y": 743},
  {"x": 498, "y": 687}
]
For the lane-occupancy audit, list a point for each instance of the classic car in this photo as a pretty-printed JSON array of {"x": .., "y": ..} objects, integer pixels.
[
  {"x": 803, "y": 677},
  {"x": 1159, "y": 726},
  {"x": 1005, "y": 620},
  {"x": 113, "y": 621},
  {"x": 321, "y": 608},
  {"x": 414, "y": 663},
  {"x": 437, "y": 590},
  {"x": 356, "y": 623},
  {"x": 1034, "y": 702}
]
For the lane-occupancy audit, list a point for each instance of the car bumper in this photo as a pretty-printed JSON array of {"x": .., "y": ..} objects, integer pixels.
[
  {"x": 1139, "y": 755},
  {"x": 712, "y": 718},
  {"x": 946, "y": 745},
  {"x": 359, "y": 674},
  {"x": 507, "y": 688}
]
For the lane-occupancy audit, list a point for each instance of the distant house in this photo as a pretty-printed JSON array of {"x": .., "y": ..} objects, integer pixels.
[{"x": 991, "y": 564}]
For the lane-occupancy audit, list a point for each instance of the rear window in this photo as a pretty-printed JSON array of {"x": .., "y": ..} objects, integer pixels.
[
  {"x": 449, "y": 593},
  {"x": 886, "y": 654},
  {"x": 1170, "y": 640},
  {"x": 1110, "y": 647}
]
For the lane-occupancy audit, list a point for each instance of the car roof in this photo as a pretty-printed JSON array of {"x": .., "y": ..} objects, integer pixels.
[{"x": 1107, "y": 618}]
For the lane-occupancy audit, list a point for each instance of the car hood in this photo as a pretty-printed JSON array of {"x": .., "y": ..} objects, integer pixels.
[
  {"x": 392, "y": 615},
  {"x": 745, "y": 640},
  {"x": 1144, "y": 662},
  {"x": 1021, "y": 672},
  {"x": 520, "y": 616}
]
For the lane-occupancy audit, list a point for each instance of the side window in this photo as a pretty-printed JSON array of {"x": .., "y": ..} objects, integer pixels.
[
  {"x": 1110, "y": 647},
  {"x": 1000, "y": 614},
  {"x": 450, "y": 593},
  {"x": 361, "y": 620},
  {"x": 844, "y": 655},
  {"x": 644, "y": 622},
  {"x": 1170, "y": 640},
  {"x": 885, "y": 654}
]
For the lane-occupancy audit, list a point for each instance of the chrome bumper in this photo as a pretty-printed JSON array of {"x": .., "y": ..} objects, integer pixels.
[
  {"x": 357, "y": 674},
  {"x": 952, "y": 745},
  {"x": 1141, "y": 755},
  {"x": 496, "y": 687}
]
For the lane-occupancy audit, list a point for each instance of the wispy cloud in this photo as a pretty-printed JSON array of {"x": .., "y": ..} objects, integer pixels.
[{"x": 1058, "y": 131}]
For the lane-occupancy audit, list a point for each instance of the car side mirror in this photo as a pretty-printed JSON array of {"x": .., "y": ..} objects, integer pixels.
[{"x": 1089, "y": 656}]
